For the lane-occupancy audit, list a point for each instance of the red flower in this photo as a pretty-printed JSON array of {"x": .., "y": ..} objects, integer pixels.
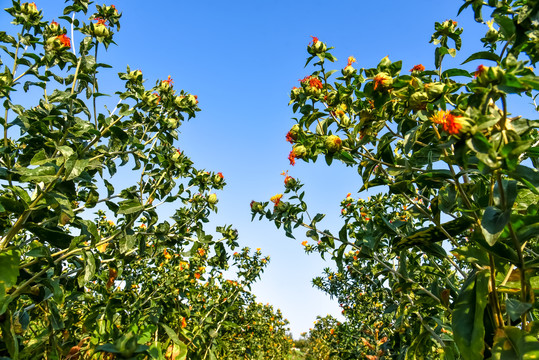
[
  {"x": 313, "y": 81},
  {"x": 64, "y": 40},
  {"x": 101, "y": 21},
  {"x": 184, "y": 323},
  {"x": 351, "y": 60},
  {"x": 168, "y": 81},
  {"x": 418, "y": 67},
  {"x": 315, "y": 40},
  {"x": 289, "y": 138},
  {"x": 54, "y": 23},
  {"x": 480, "y": 70},
  {"x": 220, "y": 174},
  {"x": 292, "y": 158},
  {"x": 452, "y": 124}
]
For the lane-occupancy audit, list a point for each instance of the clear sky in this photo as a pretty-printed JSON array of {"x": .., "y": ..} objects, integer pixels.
[{"x": 242, "y": 58}]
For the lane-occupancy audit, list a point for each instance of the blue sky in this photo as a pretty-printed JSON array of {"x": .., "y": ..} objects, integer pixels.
[{"x": 242, "y": 58}]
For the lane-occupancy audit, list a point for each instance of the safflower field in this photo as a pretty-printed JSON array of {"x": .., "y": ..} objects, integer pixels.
[{"x": 439, "y": 263}]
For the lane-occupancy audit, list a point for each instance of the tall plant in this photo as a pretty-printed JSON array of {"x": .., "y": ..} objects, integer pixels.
[{"x": 458, "y": 170}]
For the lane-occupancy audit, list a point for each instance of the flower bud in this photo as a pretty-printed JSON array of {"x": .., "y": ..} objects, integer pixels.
[
  {"x": 176, "y": 156},
  {"x": 29, "y": 8},
  {"x": 212, "y": 199},
  {"x": 292, "y": 135},
  {"x": 218, "y": 178},
  {"x": 418, "y": 100},
  {"x": 57, "y": 43},
  {"x": 171, "y": 122},
  {"x": 382, "y": 81},
  {"x": 333, "y": 143},
  {"x": 100, "y": 30},
  {"x": 257, "y": 207},
  {"x": 348, "y": 71},
  {"x": 434, "y": 90},
  {"x": 317, "y": 47},
  {"x": 135, "y": 75},
  {"x": 151, "y": 99},
  {"x": 191, "y": 100},
  {"x": 486, "y": 75},
  {"x": 166, "y": 85},
  {"x": 299, "y": 151},
  {"x": 53, "y": 28},
  {"x": 294, "y": 93},
  {"x": 290, "y": 182}
]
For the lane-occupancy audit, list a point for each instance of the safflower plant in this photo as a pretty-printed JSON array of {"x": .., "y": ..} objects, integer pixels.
[
  {"x": 444, "y": 258},
  {"x": 88, "y": 267}
]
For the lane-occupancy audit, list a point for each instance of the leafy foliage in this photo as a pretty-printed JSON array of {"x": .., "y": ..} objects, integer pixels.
[{"x": 457, "y": 172}]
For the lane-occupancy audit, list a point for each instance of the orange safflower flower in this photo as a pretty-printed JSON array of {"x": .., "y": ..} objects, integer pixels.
[
  {"x": 220, "y": 174},
  {"x": 168, "y": 81},
  {"x": 381, "y": 80},
  {"x": 292, "y": 157},
  {"x": 315, "y": 40},
  {"x": 480, "y": 70},
  {"x": 453, "y": 124},
  {"x": 184, "y": 323},
  {"x": 197, "y": 275},
  {"x": 289, "y": 138},
  {"x": 418, "y": 67},
  {"x": 304, "y": 243},
  {"x": 313, "y": 81},
  {"x": 101, "y": 21},
  {"x": 439, "y": 117},
  {"x": 54, "y": 23},
  {"x": 64, "y": 40},
  {"x": 276, "y": 199},
  {"x": 201, "y": 252},
  {"x": 167, "y": 255},
  {"x": 351, "y": 60}
]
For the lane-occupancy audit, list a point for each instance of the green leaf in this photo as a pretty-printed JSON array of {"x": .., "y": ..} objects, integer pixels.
[
  {"x": 482, "y": 55},
  {"x": 89, "y": 268},
  {"x": 433, "y": 233},
  {"x": 455, "y": 72},
  {"x": 130, "y": 206},
  {"x": 9, "y": 267},
  {"x": 516, "y": 308},
  {"x": 512, "y": 343},
  {"x": 493, "y": 223},
  {"x": 467, "y": 323}
]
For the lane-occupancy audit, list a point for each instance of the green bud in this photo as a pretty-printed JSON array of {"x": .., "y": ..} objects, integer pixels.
[
  {"x": 348, "y": 71},
  {"x": 434, "y": 90},
  {"x": 212, "y": 199},
  {"x": 333, "y": 143},
  {"x": 418, "y": 100},
  {"x": 299, "y": 151}
]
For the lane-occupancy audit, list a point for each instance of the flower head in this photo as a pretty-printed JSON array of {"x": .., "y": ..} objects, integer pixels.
[
  {"x": 168, "y": 81},
  {"x": 453, "y": 124},
  {"x": 480, "y": 70},
  {"x": 315, "y": 39},
  {"x": 351, "y": 60},
  {"x": 64, "y": 40},
  {"x": 418, "y": 67},
  {"x": 101, "y": 21},
  {"x": 220, "y": 174},
  {"x": 304, "y": 243},
  {"x": 276, "y": 199},
  {"x": 184, "y": 323},
  {"x": 382, "y": 80},
  {"x": 201, "y": 251}
]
